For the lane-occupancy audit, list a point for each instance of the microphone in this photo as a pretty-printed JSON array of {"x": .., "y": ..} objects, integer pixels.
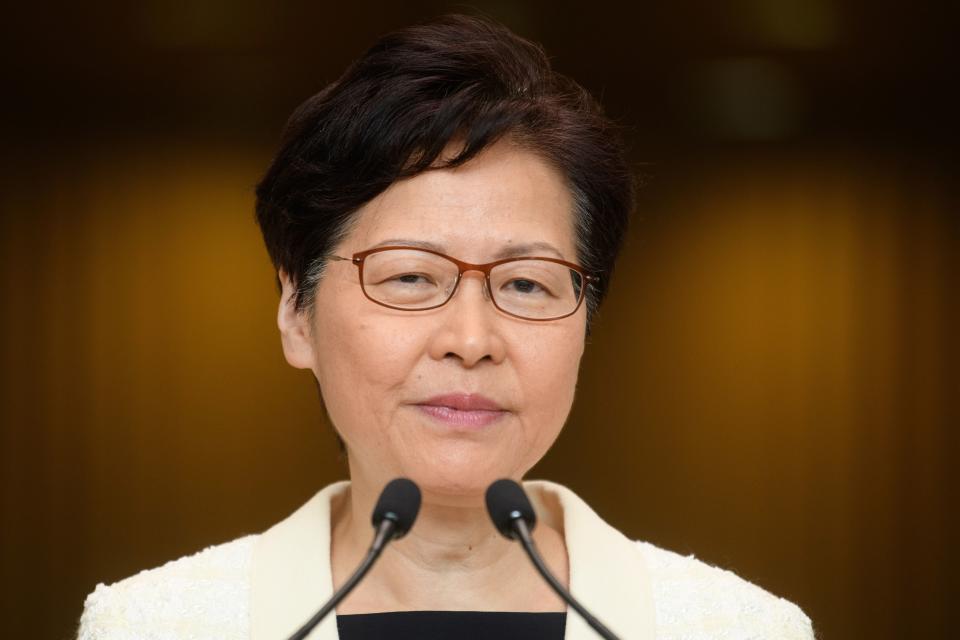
[
  {"x": 392, "y": 518},
  {"x": 515, "y": 519}
]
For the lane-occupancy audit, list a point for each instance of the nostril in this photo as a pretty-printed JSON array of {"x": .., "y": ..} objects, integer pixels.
[{"x": 456, "y": 356}]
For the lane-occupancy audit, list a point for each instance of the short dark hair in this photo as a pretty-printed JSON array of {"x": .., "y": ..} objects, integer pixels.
[{"x": 398, "y": 106}]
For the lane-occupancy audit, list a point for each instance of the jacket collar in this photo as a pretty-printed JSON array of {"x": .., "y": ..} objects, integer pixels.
[{"x": 291, "y": 575}]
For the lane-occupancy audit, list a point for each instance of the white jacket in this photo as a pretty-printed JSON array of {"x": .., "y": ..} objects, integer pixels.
[{"x": 263, "y": 587}]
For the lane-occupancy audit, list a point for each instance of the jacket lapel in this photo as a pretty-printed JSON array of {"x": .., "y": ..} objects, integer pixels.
[
  {"x": 607, "y": 572},
  {"x": 291, "y": 572},
  {"x": 291, "y": 575}
]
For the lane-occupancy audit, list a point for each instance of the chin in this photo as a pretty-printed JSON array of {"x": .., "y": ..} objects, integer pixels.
[{"x": 465, "y": 481}]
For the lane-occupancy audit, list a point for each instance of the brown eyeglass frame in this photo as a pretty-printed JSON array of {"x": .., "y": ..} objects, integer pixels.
[{"x": 359, "y": 257}]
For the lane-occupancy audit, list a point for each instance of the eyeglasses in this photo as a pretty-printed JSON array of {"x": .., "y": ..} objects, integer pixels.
[{"x": 531, "y": 288}]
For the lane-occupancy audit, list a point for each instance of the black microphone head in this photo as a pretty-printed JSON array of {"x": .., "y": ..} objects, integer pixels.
[
  {"x": 507, "y": 502},
  {"x": 399, "y": 501}
]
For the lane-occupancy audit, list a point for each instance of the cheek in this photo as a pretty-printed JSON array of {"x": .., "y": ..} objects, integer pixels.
[
  {"x": 549, "y": 376},
  {"x": 359, "y": 364}
]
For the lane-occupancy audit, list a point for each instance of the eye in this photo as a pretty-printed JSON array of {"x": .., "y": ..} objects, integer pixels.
[
  {"x": 524, "y": 285},
  {"x": 412, "y": 278}
]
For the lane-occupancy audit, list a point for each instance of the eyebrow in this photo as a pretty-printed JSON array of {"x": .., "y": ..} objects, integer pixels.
[{"x": 511, "y": 251}]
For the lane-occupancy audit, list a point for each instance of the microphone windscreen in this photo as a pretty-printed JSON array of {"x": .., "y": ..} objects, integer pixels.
[
  {"x": 507, "y": 501},
  {"x": 399, "y": 501}
]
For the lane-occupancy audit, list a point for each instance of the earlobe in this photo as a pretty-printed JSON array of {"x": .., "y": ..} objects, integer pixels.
[{"x": 293, "y": 325}]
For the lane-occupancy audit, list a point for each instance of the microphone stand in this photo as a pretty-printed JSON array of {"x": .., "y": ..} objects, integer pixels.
[
  {"x": 523, "y": 532},
  {"x": 383, "y": 535}
]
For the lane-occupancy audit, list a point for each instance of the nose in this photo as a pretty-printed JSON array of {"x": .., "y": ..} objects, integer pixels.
[{"x": 470, "y": 329}]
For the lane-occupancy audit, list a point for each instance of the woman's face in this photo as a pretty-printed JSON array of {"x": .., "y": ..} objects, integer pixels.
[{"x": 381, "y": 370}]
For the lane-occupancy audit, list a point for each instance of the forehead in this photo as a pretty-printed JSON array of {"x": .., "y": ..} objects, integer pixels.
[{"x": 504, "y": 197}]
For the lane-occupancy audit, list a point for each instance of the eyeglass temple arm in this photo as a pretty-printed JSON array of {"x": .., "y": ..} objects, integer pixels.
[{"x": 353, "y": 260}]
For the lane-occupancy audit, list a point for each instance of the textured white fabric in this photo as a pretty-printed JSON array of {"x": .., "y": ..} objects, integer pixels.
[
  {"x": 207, "y": 596},
  {"x": 697, "y": 601}
]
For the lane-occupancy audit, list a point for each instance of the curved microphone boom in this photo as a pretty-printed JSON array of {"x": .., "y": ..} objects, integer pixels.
[
  {"x": 393, "y": 517},
  {"x": 514, "y": 517}
]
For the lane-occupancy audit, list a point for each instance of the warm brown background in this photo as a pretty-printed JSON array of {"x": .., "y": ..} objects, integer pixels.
[{"x": 772, "y": 385}]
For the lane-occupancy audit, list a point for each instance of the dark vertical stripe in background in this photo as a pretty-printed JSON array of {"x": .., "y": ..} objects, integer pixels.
[{"x": 772, "y": 385}]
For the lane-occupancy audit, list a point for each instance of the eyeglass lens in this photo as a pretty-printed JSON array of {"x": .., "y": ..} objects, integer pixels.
[{"x": 413, "y": 279}]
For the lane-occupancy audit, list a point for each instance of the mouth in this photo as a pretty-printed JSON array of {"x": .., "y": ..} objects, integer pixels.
[{"x": 462, "y": 410}]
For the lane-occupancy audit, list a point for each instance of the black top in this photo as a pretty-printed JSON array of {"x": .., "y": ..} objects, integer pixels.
[{"x": 461, "y": 625}]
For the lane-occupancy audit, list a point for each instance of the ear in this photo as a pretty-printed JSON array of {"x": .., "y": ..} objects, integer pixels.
[{"x": 294, "y": 327}]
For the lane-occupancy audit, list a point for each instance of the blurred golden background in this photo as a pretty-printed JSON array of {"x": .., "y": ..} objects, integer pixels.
[{"x": 772, "y": 385}]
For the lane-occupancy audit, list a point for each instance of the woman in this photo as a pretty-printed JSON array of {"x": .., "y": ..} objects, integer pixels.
[{"x": 444, "y": 221}]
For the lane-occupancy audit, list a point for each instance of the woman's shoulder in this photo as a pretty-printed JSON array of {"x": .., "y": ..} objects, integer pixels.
[
  {"x": 694, "y": 599},
  {"x": 204, "y": 595}
]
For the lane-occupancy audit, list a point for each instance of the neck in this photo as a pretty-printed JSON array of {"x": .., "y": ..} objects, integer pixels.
[{"x": 452, "y": 559}]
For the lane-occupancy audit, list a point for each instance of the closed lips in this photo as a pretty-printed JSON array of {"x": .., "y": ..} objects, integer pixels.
[
  {"x": 463, "y": 411},
  {"x": 463, "y": 402}
]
